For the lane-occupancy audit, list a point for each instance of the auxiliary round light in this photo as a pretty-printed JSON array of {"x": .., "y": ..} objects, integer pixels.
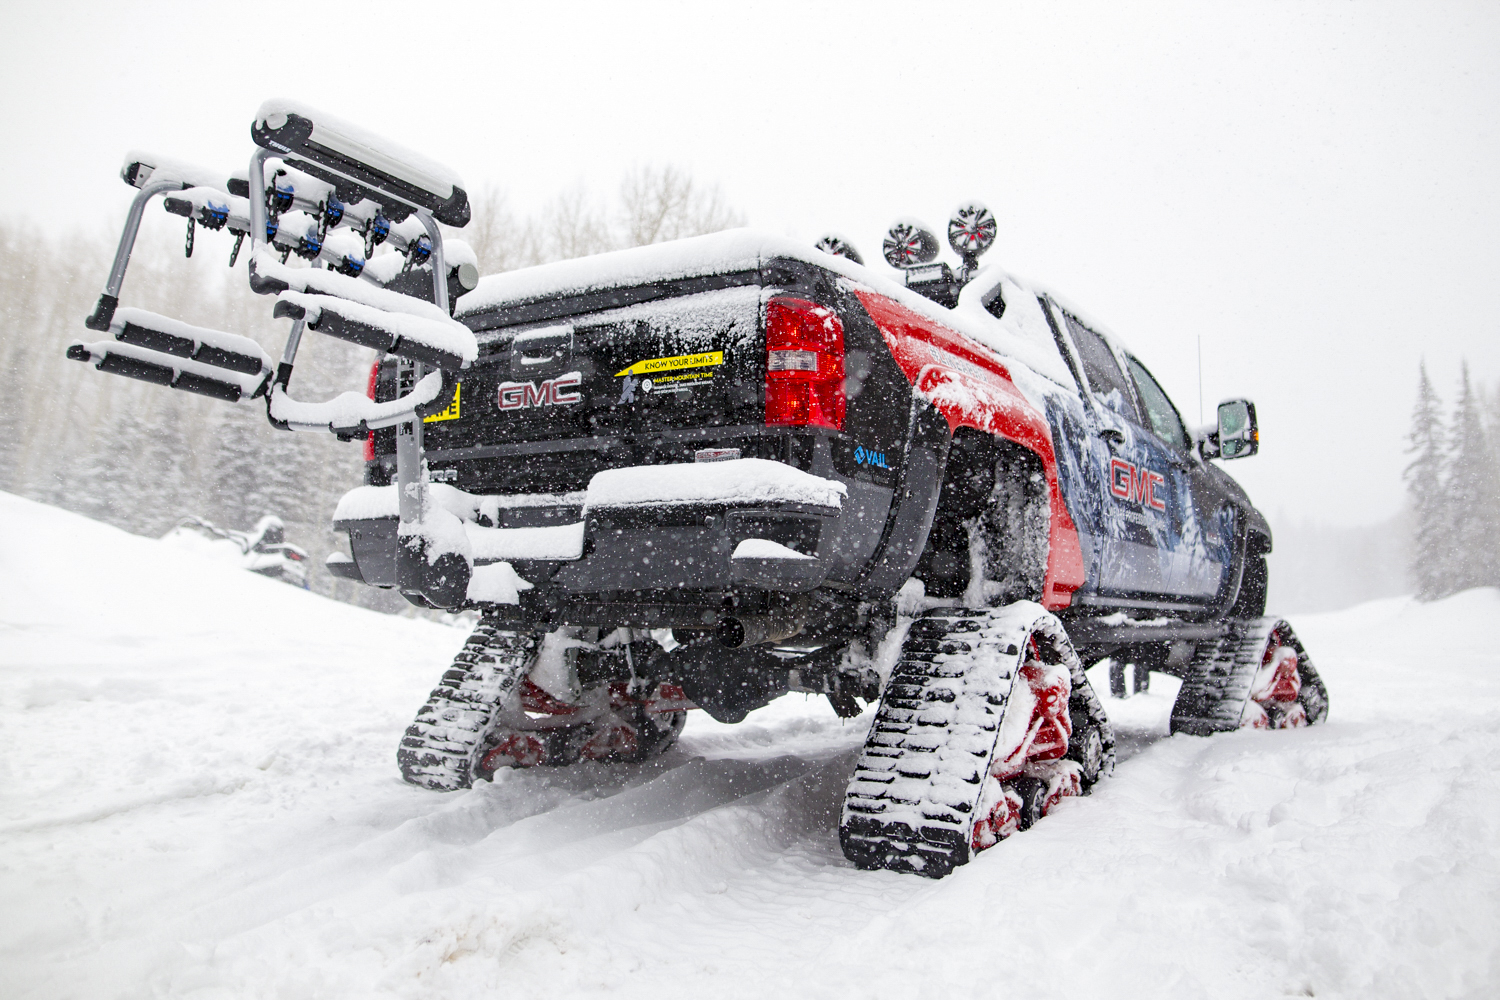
[
  {"x": 838, "y": 246},
  {"x": 909, "y": 243},
  {"x": 971, "y": 229}
]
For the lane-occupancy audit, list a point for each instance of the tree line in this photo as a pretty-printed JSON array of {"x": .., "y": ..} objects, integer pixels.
[
  {"x": 1453, "y": 489},
  {"x": 142, "y": 457}
]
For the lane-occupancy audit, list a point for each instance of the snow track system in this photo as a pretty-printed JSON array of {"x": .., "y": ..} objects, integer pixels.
[
  {"x": 485, "y": 714},
  {"x": 446, "y": 740},
  {"x": 988, "y": 720},
  {"x": 1258, "y": 676}
]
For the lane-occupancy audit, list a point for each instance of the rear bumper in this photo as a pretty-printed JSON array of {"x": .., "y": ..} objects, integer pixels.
[
  {"x": 693, "y": 547},
  {"x": 681, "y": 558}
]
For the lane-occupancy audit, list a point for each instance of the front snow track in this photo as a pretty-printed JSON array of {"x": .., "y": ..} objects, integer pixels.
[
  {"x": 443, "y": 744},
  {"x": 987, "y": 719},
  {"x": 1220, "y": 692}
]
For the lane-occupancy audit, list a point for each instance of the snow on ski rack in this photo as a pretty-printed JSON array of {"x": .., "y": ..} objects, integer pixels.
[
  {"x": 314, "y": 280},
  {"x": 351, "y": 157},
  {"x": 328, "y": 192},
  {"x": 351, "y": 414},
  {"x": 401, "y": 334},
  {"x": 141, "y": 168},
  {"x": 165, "y": 369},
  {"x": 155, "y": 332},
  {"x": 165, "y": 351}
]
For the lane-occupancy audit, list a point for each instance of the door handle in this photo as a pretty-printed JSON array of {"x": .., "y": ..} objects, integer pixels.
[{"x": 1112, "y": 437}]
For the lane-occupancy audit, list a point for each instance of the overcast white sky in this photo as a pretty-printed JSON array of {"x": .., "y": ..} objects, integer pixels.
[{"x": 1311, "y": 188}]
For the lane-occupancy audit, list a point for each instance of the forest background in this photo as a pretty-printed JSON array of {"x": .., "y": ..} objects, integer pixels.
[{"x": 142, "y": 458}]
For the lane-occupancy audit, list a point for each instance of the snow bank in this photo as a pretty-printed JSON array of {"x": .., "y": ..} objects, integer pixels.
[{"x": 198, "y": 798}]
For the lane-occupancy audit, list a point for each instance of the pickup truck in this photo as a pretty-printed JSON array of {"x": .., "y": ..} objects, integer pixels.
[
  {"x": 705, "y": 473},
  {"x": 701, "y": 474}
]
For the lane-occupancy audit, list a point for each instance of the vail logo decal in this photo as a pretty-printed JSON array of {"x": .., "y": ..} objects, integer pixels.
[
  {"x": 524, "y": 395},
  {"x": 864, "y": 456},
  {"x": 1136, "y": 485}
]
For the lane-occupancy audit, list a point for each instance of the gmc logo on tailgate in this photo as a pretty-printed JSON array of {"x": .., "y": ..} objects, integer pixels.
[{"x": 552, "y": 392}]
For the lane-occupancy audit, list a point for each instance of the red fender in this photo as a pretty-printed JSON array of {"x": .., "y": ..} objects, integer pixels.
[{"x": 971, "y": 388}]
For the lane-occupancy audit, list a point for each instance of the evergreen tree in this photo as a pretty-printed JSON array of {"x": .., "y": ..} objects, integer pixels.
[
  {"x": 1471, "y": 486},
  {"x": 1427, "y": 493}
]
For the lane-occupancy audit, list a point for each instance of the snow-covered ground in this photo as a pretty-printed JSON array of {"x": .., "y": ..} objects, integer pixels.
[{"x": 198, "y": 797}]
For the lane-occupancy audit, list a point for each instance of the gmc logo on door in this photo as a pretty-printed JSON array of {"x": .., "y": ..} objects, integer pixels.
[
  {"x": 1136, "y": 485},
  {"x": 552, "y": 392}
]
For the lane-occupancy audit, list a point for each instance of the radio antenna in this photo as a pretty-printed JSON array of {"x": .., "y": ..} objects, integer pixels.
[{"x": 1200, "y": 380}]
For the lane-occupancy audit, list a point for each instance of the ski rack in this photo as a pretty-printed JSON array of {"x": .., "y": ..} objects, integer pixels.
[{"x": 337, "y": 175}]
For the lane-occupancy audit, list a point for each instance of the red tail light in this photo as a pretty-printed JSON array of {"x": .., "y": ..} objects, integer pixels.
[
  {"x": 370, "y": 391},
  {"x": 804, "y": 365}
]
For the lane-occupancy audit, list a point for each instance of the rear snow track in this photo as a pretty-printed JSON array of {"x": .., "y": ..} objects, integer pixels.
[{"x": 198, "y": 797}]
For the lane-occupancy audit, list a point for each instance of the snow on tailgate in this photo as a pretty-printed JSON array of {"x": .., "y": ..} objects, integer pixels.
[
  {"x": 1022, "y": 334},
  {"x": 741, "y": 480}
]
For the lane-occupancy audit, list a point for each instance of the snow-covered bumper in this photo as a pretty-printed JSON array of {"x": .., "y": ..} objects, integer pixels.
[{"x": 669, "y": 540}]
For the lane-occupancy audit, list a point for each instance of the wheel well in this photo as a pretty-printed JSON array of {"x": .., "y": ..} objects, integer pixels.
[
  {"x": 1257, "y": 543},
  {"x": 992, "y": 516}
]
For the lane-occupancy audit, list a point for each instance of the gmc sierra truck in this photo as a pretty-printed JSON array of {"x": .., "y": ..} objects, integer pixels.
[{"x": 700, "y": 474}]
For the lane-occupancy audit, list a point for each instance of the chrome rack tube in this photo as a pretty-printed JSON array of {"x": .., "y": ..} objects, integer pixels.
[
  {"x": 439, "y": 265},
  {"x": 104, "y": 312},
  {"x": 411, "y": 468},
  {"x": 257, "y": 201},
  {"x": 283, "y": 375},
  {"x": 411, "y": 472}
]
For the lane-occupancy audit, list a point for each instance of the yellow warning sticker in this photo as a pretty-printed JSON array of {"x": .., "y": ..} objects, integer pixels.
[
  {"x": 451, "y": 413},
  {"x": 705, "y": 360}
]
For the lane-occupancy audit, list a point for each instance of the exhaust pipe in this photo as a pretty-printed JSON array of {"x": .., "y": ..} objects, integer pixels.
[{"x": 752, "y": 630}]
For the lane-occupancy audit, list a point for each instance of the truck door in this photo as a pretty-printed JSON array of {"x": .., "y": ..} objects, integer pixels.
[
  {"x": 1134, "y": 554},
  {"x": 1201, "y": 527}
]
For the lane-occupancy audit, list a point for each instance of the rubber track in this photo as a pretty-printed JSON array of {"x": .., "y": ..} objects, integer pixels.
[
  {"x": 910, "y": 805},
  {"x": 1216, "y": 687},
  {"x": 440, "y": 746}
]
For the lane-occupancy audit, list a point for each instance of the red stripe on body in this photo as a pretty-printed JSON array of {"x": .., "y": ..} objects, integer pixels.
[{"x": 972, "y": 388}]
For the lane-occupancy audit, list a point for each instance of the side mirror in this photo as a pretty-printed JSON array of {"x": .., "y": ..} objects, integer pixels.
[{"x": 1238, "y": 435}]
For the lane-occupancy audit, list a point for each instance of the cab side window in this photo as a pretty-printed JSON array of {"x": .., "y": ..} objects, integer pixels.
[
  {"x": 1101, "y": 369},
  {"x": 1161, "y": 415}
]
